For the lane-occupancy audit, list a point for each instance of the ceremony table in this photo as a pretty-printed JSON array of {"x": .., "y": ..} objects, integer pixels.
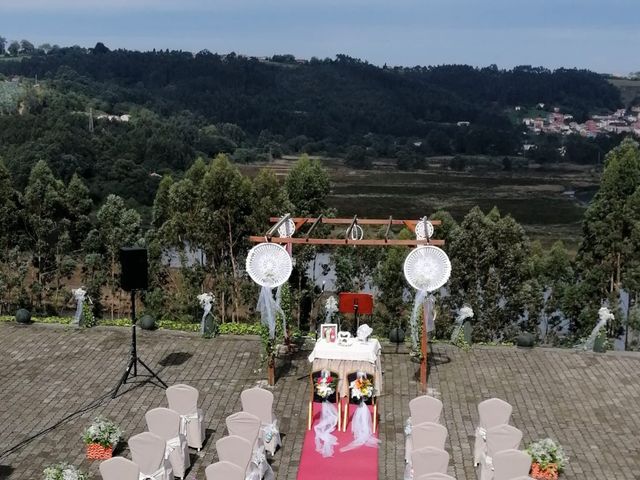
[{"x": 343, "y": 360}]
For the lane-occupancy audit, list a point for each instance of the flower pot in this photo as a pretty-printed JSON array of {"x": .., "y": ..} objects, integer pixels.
[
  {"x": 549, "y": 473},
  {"x": 147, "y": 322},
  {"x": 396, "y": 335},
  {"x": 23, "y": 316},
  {"x": 526, "y": 340},
  {"x": 95, "y": 451}
]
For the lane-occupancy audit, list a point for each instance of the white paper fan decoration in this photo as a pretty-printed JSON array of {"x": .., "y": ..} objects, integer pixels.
[
  {"x": 420, "y": 230},
  {"x": 287, "y": 229},
  {"x": 357, "y": 233},
  {"x": 427, "y": 268},
  {"x": 269, "y": 265}
]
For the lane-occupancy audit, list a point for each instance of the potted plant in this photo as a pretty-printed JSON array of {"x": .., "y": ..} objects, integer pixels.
[
  {"x": 64, "y": 471},
  {"x": 547, "y": 459},
  {"x": 101, "y": 438}
]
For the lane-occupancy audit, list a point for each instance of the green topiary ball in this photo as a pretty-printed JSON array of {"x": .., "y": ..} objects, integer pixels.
[
  {"x": 23, "y": 316},
  {"x": 147, "y": 322},
  {"x": 526, "y": 340}
]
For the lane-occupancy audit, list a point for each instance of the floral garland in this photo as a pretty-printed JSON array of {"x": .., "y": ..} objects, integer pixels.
[
  {"x": 103, "y": 432},
  {"x": 361, "y": 388},
  {"x": 64, "y": 471},
  {"x": 325, "y": 386},
  {"x": 548, "y": 459}
]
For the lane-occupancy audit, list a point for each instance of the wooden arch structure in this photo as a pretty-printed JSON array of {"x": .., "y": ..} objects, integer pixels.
[{"x": 306, "y": 238}]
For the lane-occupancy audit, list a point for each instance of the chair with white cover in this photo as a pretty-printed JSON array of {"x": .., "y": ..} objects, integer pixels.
[
  {"x": 259, "y": 402},
  {"x": 429, "y": 434},
  {"x": 147, "y": 451},
  {"x": 422, "y": 409},
  {"x": 184, "y": 400},
  {"x": 499, "y": 438},
  {"x": 436, "y": 476},
  {"x": 491, "y": 412},
  {"x": 247, "y": 426},
  {"x": 510, "y": 464},
  {"x": 223, "y": 471},
  {"x": 165, "y": 423},
  {"x": 236, "y": 450},
  {"x": 429, "y": 460},
  {"x": 119, "y": 468}
]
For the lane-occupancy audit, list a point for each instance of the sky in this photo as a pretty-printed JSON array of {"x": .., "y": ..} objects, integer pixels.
[{"x": 601, "y": 35}]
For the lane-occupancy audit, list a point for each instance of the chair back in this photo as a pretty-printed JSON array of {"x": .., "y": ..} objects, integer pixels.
[
  {"x": 234, "y": 449},
  {"x": 352, "y": 377},
  {"x": 119, "y": 468},
  {"x": 425, "y": 409},
  {"x": 494, "y": 412},
  {"x": 164, "y": 422},
  {"x": 436, "y": 476},
  {"x": 147, "y": 451},
  {"x": 244, "y": 425},
  {"x": 332, "y": 398},
  {"x": 429, "y": 434},
  {"x": 259, "y": 402},
  {"x": 429, "y": 460},
  {"x": 503, "y": 437},
  {"x": 224, "y": 471},
  {"x": 510, "y": 464},
  {"x": 183, "y": 399}
]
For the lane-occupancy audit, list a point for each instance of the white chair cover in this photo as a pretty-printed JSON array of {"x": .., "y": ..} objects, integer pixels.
[
  {"x": 491, "y": 412},
  {"x": 422, "y": 409},
  {"x": 236, "y": 450},
  {"x": 510, "y": 464},
  {"x": 436, "y": 476},
  {"x": 499, "y": 438},
  {"x": 165, "y": 423},
  {"x": 184, "y": 400},
  {"x": 224, "y": 471},
  {"x": 429, "y": 460},
  {"x": 362, "y": 429},
  {"x": 247, "y": 426},
  {"x": 147, "y": 451},
  {"x": 259, "y": 402},
  {"x": 119, "y": 468}
]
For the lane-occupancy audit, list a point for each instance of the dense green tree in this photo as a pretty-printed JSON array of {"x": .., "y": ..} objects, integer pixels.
[
  {"x": 26, "y": 47},
  {"x": 3, "y": 45},
  {"x": 14, "y": 48},
  {"x": 307, "y": 186}
]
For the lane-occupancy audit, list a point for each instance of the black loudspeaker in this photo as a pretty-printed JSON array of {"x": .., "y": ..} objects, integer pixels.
[{"x": 134, "y": 267}]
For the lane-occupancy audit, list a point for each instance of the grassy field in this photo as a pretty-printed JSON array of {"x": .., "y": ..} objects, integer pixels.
[
  {"x": 629, "y": 89},
  {"x": 10, "y": 93},
  {"x": 537, "y": 199}
]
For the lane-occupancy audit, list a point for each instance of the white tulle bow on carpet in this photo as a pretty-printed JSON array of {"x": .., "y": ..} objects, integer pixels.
[
  {"x": 362, "y": 429},
  {"x": 325, "y": 440}
]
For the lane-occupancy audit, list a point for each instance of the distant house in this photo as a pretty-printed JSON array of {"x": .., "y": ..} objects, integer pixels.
[
  {"x": 541, "y": 105},
  {"x": 155, "y": 175},
  {"x": 463, "y": 124},
  {"x": 517, "y": 108}
]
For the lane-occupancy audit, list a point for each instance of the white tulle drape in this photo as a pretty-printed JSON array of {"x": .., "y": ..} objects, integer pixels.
[
  {"x": 325, "y": 440},
  {"x": 207, "y": 305},
  {"x": 362, "y": 429},
  {"x": 268, "y": 309},
  {"x": 422, "y": 299},
  {"x": 78, "y": 294}
]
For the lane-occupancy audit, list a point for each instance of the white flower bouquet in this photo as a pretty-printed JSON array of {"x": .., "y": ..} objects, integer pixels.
[{"x": 64, "y": 471}]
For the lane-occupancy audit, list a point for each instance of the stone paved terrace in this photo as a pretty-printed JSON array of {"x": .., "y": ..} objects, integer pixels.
[{"x": 589, "y": 402}]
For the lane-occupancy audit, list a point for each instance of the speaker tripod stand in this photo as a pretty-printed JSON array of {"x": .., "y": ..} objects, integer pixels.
[{"x": 133, "y": 354}]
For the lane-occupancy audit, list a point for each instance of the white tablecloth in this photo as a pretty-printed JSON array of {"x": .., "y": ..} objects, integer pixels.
[{"x": 357, "y": 352}]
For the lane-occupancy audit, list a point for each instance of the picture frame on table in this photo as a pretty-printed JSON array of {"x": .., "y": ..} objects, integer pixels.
[{"x": 329, "y": 332}]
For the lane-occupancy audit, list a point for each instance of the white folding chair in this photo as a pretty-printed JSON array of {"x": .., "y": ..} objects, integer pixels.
[
  {"x": 429, "y": 460},
  {"x": 247, "y": 426},
  {"x": 224, "y": 471},
  {"x": 510, "y": 464},
  {"x": 147, "y": 451},
  {"x": 165, "y": 423},
  {"x": 491, "y": 412},
  {"x": 259, "y": 402},
  {"x": 436, "y": 476},
  {"x": 499, "y": 438},
  {"x": 236, "y": 450},
  {"x": 422, "y": 409},
  {"x": 119, "y": 468},
  {"x": 184, "y": 400}
]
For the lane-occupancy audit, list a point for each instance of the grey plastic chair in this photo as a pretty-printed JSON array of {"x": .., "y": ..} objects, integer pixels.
[
  {"x": 119, "y": 468},
  {"x": 184, "y": 400},
  {"x": 224, "y": 471},
  {"x": 147, "y": 451},
  {"x": 165, "y": 423}
]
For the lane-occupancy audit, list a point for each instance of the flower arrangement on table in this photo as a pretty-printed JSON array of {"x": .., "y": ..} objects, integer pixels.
[
  {"x": 101, "y": 438},
  {"x": 548, "y": 459},
  {"x": 325, "y": 386},
  {"x": 64, "y": 471},
  {"x": 361, "y": 388}
]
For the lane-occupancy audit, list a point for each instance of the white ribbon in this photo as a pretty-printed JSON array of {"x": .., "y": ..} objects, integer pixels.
[
  {"x": 481, "y": 432},
  {"x": 159, "y": 474},
  {"x": 408, "y": 428},
  {"x": 206, "y": 302},
  {"x": 268, "y": 309},
  {"x": 172, "y": 444},
  {"x": 259, "y": 468},
  {"x": 271, "y": 436},
  {"x": 325, "y": 441},
  {"x": 362, "y": 429},
  {"x": 413, "y": 321},
  {"x": 185, "y": 420},
  {"x": 78, "y": 294},
  {"x": 488, "y": 461},
  {"x": 278, "y": 302}
]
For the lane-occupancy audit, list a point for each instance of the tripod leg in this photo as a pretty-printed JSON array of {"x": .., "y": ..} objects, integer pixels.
[
  {"x": 152, "y": 373},
  {"x": 125, "y": 375}
]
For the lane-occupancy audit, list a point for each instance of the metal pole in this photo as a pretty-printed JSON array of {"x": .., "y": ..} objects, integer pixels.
[{"x": 134, "y": 350}]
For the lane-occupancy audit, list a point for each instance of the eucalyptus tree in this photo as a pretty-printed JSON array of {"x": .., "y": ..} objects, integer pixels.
[{"x": 12, "y": 268}]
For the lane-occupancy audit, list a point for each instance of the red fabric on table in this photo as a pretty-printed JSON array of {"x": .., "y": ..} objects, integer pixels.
[{"x": 358, "y": 464}]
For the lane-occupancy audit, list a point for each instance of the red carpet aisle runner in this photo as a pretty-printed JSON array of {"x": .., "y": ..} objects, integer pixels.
[{"x": 358, "y": 464}]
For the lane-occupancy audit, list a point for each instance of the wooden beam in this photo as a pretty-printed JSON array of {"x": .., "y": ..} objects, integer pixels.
[
  {"x": 371, "y": 242},
  {"x": 361, "y": 221}
]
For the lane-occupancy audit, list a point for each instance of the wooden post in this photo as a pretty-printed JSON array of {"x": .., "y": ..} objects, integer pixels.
[
  {"x": 423, "y": 347},
  {"x": 272, "y": 369}
]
